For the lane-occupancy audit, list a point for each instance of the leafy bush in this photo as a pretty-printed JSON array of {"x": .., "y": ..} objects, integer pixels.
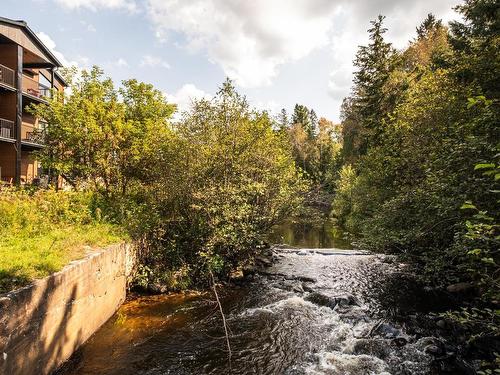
[{"x": 218, "y": 186}]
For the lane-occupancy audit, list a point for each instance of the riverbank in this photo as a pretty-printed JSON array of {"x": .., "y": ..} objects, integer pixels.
[
  {"x": 42, "y": 324},
  {"x": 43, "y": 230}
]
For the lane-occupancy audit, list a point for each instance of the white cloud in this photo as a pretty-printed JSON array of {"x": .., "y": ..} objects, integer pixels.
[
  {"x": 80, "y": 61},
  {"x": 122, "y": 63},
  {"x": 94, "y": 5},
  {"x": 91, "y": 28},
  {"x": 51, "y": 45},
  {"x": 271, "y": 106},
  {"x": 248, "y": 39},
  {"x": 353, "y": 20},
  {"x": 185, "y": 96},
  {"x": 153, "y": 61},
  {"x": 251, "y": 40}
]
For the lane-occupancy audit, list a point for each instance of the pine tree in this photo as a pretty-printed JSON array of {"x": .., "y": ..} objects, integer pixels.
[
  {"x": 476, "y": 42},
  {"x": 301, "y": 116},
  {"x": 429, "y": 25},
  {"x": 374, "y": 64},
  {"x": 313, "y": 130},
  {"x": 283, "y": 120}
]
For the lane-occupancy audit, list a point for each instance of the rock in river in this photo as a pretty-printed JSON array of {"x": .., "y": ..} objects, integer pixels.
[
  {"x": 331, "y": 302},
  {"x": 460, "y": 287}
]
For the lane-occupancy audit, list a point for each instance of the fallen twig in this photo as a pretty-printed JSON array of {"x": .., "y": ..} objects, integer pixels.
[{"x": 223, "y": 319}]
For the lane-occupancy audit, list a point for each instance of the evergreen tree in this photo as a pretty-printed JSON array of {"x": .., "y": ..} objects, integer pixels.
[
  {"x": 476, "y": 42},
  {"x": 429, "y": 25},
  {"x": 301, "y": 116},
  {"x": 313, "y": 130},
  {"x": 366, "y": 110},
  {"x": 373, "y": 63},
  {"x": 283, "y": 120}
]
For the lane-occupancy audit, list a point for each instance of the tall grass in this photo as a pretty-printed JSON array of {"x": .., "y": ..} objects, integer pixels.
[{"x": 42, "y": 230}]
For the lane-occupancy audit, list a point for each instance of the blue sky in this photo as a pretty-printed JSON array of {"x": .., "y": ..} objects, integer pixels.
[{"x": 279, "y": 52}]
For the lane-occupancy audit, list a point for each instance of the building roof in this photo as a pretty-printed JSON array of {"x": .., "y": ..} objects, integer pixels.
[
  {"x": 23, "y": 25},
  {"x": 61, "y": 78}
]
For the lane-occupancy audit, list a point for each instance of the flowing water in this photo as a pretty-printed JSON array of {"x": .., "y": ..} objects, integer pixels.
[{"x": 315, "y": 311}]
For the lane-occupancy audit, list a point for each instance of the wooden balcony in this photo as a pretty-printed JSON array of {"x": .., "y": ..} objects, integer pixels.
[
  {"x": 7, "y": 77},
  {"x": 32, "y": 135},
  {"x": 7, "y": 130},
  {"x": 35, "y": 90}
]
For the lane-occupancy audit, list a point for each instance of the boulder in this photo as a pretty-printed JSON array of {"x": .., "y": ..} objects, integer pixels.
[
  {"x": 434, "y": 350},
  {"x": 460, "y": 287},
  {"x": 441, "y": 323},
  {"x": 331, "y": 302},
  {"x": 377, "y": 348},
  {"x": 399, "y": 341},
  {"x": 264, "y": 261},
  {"x": 386, "y": 330}
]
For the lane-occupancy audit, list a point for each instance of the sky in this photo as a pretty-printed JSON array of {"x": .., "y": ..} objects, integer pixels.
[{"x": 278, "y": 52}]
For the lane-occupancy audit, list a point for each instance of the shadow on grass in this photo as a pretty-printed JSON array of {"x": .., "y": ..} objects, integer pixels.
[{"x": 12, "y": 279}]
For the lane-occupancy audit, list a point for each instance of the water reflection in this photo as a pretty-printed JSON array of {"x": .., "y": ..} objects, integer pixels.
[{"x": 322, "y": 235}]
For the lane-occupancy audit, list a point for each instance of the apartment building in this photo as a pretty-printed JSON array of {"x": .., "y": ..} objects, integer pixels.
[{"x": 28, "y": 74}]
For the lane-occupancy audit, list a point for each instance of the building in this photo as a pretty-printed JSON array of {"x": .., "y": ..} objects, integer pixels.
[{"x": 27, "y": 75}]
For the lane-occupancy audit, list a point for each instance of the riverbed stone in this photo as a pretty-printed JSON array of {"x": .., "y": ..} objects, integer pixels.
[
  {"x": 331, "y": 301},
  {"x": 387, "y": 330},
  {"x": 433, "y": 350},
  {"x": 441, "y": 324},
  {"x": 460, "y": 288},
  {"x": 306, "y": 287},
  {"x": 377, "y": 348},
  {"x": 306, "y": 279},
  {"x": 263, "y": 261},
  {"x": 399, "y": 341},
  {"x": 321, "y": 300}
]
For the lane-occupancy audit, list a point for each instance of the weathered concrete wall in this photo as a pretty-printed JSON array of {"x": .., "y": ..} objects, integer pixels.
[{"x": 43, "y": 324}]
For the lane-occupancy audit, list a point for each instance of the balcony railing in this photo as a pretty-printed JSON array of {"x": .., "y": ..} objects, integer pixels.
[
  {"x": 34, "y": 88},
  {"x": 36, "y": 136},
  {"x": 7, "y": 76},
  {"x": 7, "y": 129}
]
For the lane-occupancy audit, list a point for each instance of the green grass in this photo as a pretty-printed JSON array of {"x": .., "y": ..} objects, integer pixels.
[{"x": 40, "y": 233}]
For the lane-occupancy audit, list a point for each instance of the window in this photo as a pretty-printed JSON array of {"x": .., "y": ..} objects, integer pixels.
[{"x": 43, "y": 81}]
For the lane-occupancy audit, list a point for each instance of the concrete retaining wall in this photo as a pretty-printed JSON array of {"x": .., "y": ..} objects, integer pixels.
[{"x": 41, "y": 325}]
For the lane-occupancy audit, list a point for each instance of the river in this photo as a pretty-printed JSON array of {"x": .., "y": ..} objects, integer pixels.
[{"x": 320, "y": 309}]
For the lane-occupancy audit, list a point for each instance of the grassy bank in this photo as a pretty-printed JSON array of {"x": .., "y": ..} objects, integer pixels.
[{"x": 42, "y": 231}]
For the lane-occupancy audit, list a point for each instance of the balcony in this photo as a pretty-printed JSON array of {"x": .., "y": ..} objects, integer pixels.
[
  {"x": 32, "y": 136},
  {"x": 7, "y": 130},
  {"x": 35, "y": 90},
  {"x": 7, "y": 77}
]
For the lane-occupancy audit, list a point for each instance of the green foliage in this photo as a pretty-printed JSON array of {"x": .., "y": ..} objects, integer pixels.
[
  {"x": 98, "y": 136},
  {"x": 365, "y": 112},
  {"x": 201, "y": 193},
  {"x": 221, "y": 183},
  {"x": 425, "y": 184},
  {"x": 43, "y": 230},
  {"x": 343, "y": 205},
  {"x": 485, "y": 322},
  {"x": 481, "y": 241},
  {"x": 315, "y": 146},
  {"x": 421, "y": 159}
]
